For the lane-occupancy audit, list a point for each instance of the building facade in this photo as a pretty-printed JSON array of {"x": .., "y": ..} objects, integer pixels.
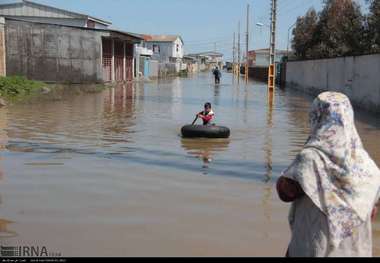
[
  {"x": 58, "y": 53},
  {"x": 54, "y": 45},
  {"x": 208, "y": 60},
  {"x": 260, "y": 57},
  {"x": 165, "y": 48}
]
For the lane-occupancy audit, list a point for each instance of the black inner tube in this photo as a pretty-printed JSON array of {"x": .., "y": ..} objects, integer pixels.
[{"x": 204, "y": 131}]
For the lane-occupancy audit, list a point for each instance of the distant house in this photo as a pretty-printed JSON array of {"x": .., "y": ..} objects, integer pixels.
[
  {"x": 166, "y": 48},
  {"x": 35, "y": 12},
  {"x": 260, "y": 57},
  {"x": 143, "y": 61},
  {"x": 54, "y": 45},
  {"x": 191, "y": 64},
  {"x": 208, "y": 60}
]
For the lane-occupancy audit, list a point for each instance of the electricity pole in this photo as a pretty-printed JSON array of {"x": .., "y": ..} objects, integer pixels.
[
  {"x": 238, "y": 66},
  {"x": 234, "y": 56},
  {"x": 272, "y": 52},
  {"x": 247, "y": 47}
]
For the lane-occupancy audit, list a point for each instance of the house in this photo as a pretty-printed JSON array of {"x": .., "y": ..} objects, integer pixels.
[
  {"x": 191, "y": 64},
  {"x": 166, "y": 48},
  {"x": 54, "y": 45},
  {"x": 208, "y": 60},
  {"x": 35, "y": 12},
  {"x": 143, "y": 59},
  {"x": 260, "y": 57}
]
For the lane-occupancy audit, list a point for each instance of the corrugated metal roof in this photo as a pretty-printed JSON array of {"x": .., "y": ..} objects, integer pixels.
[
  {"x": 30, "y": 3},
  {"x": 162, "y": 38},
  {"x": 137, "y": 36},
  {"x": 133, "y": 35}
]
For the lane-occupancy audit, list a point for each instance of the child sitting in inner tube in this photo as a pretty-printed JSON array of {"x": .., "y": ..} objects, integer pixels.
[{"x": 207, "y": 115}]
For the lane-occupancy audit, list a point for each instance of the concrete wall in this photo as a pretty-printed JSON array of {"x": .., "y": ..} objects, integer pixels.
[
  {"x": 3, "y": 70},
  {"x": 153, "y": 68},
  {"x": 166, "y": 50},
  {"x": 53, "y": 53},
  {"x": 357, "y": 77},
  {"x": 167, "y": 69},
  {"x": 257, "y": 73}
]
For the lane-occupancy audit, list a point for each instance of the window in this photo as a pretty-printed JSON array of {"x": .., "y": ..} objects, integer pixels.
[
  {"x": 156, "y": 49},
  {"x": 177, "y": 48}
]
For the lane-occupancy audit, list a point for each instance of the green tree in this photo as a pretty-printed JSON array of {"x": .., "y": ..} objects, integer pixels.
[
  {"x": 341, "y": 29},
  {"x": 374, "y": 25},
  {"x": 303, "y": 34}
]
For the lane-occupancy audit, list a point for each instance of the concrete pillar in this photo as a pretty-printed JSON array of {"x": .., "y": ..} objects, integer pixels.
[
  {"x": 137, "y": 66},
  {"x": 133, "y": 67},
  {"x": 134, "y": 62},
  {"x": 113, "y": 61},
  {"x": 124, "y": 61},
  {"x": 3, "y": 71}
]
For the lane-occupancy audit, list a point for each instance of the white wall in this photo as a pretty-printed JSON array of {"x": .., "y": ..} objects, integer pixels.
[
  {"x": 357, "y": 77},
  {"x": 180, "y": 52}
]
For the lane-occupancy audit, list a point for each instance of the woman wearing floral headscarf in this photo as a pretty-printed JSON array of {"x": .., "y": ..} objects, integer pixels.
[{"x": 333, "y": 184}]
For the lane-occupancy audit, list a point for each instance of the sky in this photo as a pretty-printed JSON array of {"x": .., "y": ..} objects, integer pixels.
[{"x": 203, "y": 24}]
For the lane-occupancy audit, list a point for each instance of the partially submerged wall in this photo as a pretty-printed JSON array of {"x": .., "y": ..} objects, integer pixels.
[
  {"x": 258, "y": 73},
  {"x": 53, "y": 53},
  {"x": 357, "y": 77},
  {"x": 2, "y": 48}
]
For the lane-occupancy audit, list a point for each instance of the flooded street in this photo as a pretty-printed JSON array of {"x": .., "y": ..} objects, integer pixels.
[{"x": 108, "y": 174}]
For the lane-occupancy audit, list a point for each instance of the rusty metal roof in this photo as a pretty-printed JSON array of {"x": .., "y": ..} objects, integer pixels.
[{"x": 162, "y": 38}]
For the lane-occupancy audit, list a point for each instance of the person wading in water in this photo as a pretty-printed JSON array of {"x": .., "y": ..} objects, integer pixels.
[{"x": 217, "y": 75}]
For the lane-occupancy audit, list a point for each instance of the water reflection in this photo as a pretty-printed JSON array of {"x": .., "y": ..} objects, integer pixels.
[
  {"x": 268, "y": 137},
  {"x": 130, "y": 133},
  {"x": 204, "y": 149},
  {"x": 4, "y": 229},
  {"x": 268, "y": 149}
]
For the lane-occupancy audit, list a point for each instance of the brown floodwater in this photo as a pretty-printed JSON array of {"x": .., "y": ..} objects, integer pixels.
[{"x": 107, "y": 174}]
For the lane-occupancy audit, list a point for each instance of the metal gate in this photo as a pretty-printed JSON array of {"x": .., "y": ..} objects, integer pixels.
[
  {"x": 119, "y": 61},
  {"x": 107, "y": 59},
  {"x": 129, "y": 62},
  {"x": 129, "y": 68}
]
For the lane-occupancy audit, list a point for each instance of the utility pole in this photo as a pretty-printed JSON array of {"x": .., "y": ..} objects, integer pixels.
[
  {"x": 234, "y": 56},
  {"x": 272, "y": 52},
  {"x": 239, "y": 56},
  {"x": 247, "y": 47}
]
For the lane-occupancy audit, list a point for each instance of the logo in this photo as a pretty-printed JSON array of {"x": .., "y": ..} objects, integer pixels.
[{"x": 27, "y": 251}]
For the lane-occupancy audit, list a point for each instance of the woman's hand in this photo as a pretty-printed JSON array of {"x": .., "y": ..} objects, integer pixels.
[{"x": 289, "y": 190}]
